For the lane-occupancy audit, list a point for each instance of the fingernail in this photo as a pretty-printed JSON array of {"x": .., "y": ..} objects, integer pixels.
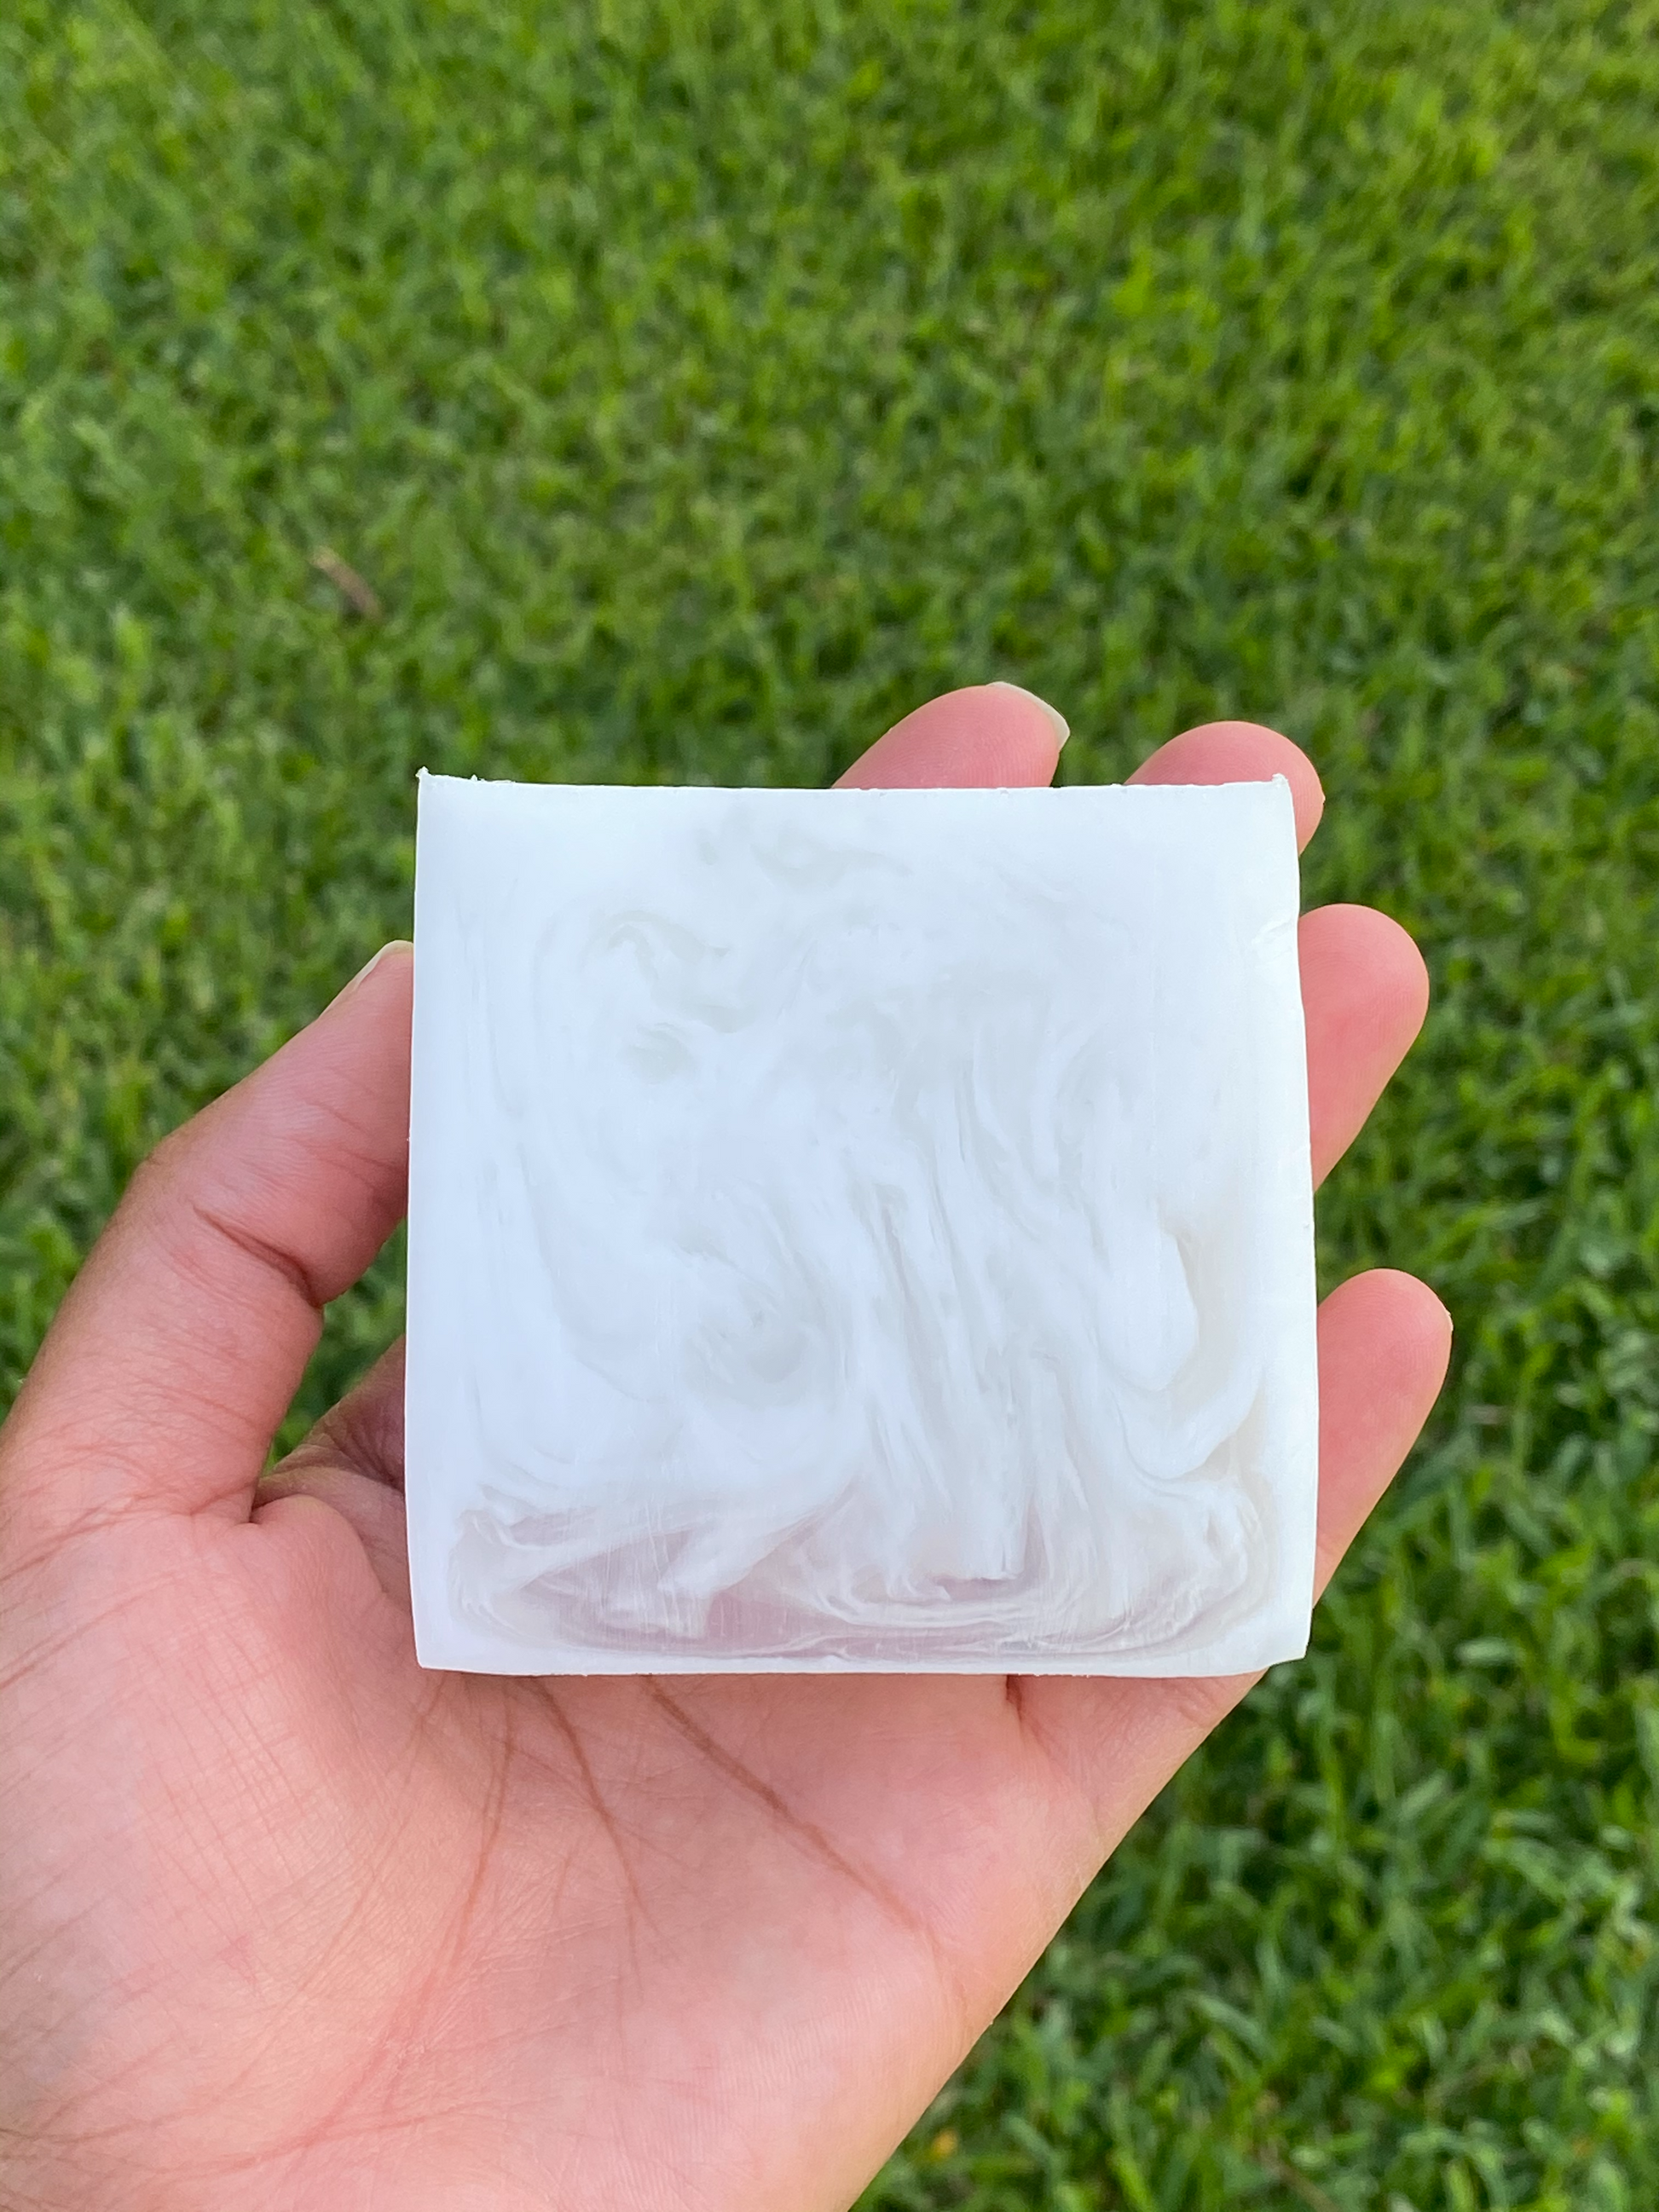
[
  {"x": 398, "y": 944},
  {"x": 1062, "y": 728}
]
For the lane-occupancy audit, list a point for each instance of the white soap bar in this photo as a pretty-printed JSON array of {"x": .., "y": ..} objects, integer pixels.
[{"x": 858, "y": 1229}]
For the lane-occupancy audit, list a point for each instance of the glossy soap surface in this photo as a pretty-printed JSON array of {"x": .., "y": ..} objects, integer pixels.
[{"x": 859, "y": 1229}]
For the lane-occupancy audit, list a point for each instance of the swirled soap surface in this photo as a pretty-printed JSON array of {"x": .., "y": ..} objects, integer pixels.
[{"x": 859, "y": 1229}]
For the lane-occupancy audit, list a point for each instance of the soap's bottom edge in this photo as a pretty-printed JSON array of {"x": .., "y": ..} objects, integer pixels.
[{"x": 585, "y": 1663}]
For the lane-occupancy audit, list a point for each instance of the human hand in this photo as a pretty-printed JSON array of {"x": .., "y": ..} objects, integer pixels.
[{"x": 285, "y": 1922}]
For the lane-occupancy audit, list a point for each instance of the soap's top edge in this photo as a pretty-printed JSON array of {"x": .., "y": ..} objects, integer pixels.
[{"x": 902, "y": 793}]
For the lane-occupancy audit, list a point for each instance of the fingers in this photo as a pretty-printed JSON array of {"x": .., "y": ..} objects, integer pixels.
[
  {"x": 178, "y": 1351},
  {"x": 180, "y": 1345},
  {"x": 1239, "y": 752},
  {"x": 991, "y": 735},
  {"x": 1364, "y": 992},
  {"x": 1384, "y": 1337},
  {"x": 1384, "y": 1340},
  {"x": 1364, "y": 989},
  {"x": 1384, "y": 1343}
]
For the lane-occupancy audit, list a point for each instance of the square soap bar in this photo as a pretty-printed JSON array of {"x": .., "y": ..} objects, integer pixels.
[{"x": 858, "y": 1229}]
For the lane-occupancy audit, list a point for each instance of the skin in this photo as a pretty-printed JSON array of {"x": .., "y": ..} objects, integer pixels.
[{"x": 285, "y": 1922}]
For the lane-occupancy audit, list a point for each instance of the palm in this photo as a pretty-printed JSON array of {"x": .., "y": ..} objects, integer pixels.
[
  {"x": 285, "y": 1911},
  {"x": 349, "y": 1896}
]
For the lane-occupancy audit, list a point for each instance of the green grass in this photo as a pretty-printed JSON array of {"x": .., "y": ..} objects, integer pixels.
[{"x": 700, "y": 386}]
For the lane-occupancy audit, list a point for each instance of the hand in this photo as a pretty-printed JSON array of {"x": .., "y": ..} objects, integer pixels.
[{"x": 285, "y": 1922}]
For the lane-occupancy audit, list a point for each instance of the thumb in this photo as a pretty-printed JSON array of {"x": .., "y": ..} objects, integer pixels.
[{"x": 181, "y": 1343}]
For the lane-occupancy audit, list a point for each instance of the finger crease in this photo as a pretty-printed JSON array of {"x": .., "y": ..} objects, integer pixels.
[{"x": 271, "y": 1257}]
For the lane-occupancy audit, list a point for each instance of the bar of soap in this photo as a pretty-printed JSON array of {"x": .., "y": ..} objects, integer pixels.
[{"x": 858, "y": 1229}]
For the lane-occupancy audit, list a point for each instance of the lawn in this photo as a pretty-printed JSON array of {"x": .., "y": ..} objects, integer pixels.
[{"x": 698, "y": 386}]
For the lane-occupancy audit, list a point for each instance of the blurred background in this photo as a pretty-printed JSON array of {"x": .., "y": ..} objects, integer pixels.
[{"x": 636, "y": 392}]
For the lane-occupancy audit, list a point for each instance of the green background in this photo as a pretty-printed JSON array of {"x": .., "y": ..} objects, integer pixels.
[{"x": 700, "y": 386}]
